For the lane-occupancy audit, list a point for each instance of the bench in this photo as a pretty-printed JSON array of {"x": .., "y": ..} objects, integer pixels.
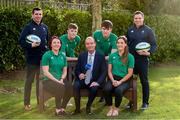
[{"x": 130, "y": 94}]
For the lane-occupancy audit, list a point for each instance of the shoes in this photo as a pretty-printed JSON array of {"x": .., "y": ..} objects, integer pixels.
[
  {"x": 88, "y": 111},
  {"x": 60, "y": 113},
  {"x": 76, "y": 112},
  {"x": 115, "y": 112},
  {"x": 27, "y": 107},
  {"x": 144, "y": 106},
  {"x": 109, "y": 112}
]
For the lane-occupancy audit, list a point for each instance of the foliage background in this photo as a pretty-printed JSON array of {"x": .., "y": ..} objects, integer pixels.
[{"x": 166, "y": 27}]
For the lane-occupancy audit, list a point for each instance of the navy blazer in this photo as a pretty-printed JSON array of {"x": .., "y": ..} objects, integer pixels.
[{"x": 99, "y": 71}]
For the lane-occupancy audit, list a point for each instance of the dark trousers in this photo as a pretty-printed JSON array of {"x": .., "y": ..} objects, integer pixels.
[
  {"x": 33, "y": 71},
  {"x": 80, "y": 84},
  {"x": 118, "y": 91},
  {"x": 62, "y": 93},
  {"x": 141, "y": 68}
]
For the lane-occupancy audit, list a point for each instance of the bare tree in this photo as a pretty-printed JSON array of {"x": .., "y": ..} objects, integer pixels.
[{"x": 96, "y": 14}]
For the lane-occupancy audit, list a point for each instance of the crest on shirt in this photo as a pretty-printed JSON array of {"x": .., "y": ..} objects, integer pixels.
[
  {"x": 132, "y": 31},
  {"x": 52, "y": 58},
  {"x": 44, "y": 28},
  {"x": 142, "y": 31},
  {"x": 98, "y": 40},
  {"x": 34, "y": 28},
  {"x": 114, "y": 57}
]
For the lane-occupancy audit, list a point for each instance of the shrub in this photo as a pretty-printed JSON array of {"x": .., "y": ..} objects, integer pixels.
[{"x": 167, "y": 29}]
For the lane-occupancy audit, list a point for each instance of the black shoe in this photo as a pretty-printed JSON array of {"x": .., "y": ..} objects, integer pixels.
[
  {"x": 144, "y": 106},
  {"x": 76, "y": 112},
  {"x": 102, "y": 99},
  {"x": 88, "y": 111}
]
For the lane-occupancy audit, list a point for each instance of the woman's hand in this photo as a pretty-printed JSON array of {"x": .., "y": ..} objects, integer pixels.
[
  {"x": 61, "y": 82},
  {"x": 116, "y": 83}
]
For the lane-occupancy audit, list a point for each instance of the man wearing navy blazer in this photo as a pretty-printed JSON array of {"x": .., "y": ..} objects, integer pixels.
[{"x": 98, "y": 74}]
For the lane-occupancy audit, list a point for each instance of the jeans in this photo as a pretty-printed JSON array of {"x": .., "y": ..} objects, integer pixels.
[
  {"x": 62, "y": 93},
  {"x": 118, "y": 91}
]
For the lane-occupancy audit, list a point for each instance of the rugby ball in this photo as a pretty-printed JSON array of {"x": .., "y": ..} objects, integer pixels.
[
  {"x": 142, "y": 46},
  {"x": 33, "y": 38}
]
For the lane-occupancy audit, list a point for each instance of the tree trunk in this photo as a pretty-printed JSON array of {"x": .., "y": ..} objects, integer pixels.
[{"x": 96, "y": 14}]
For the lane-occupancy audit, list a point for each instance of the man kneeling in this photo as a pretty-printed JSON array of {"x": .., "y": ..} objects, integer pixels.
[{"x": 91, "y": 70}]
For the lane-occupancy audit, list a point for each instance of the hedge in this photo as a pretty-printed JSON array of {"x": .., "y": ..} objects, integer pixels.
[{"x": 167, "y": 29}]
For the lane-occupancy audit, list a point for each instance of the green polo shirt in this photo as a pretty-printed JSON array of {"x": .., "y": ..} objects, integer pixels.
[
  {"x": 105, "y": 45},
  {"x": 56, "y": 63},
  {"x": 118, "y": 68},
  {"x": 68, "y": 46}
]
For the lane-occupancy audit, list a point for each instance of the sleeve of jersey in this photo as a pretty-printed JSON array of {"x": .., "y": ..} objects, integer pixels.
[
  {"x": 65, "y": 61},
  {"x": 152, "y": 40},
  {"x": 45, "y": 60},
  {"x": 114, "y": 42},
  {"x": 130, "y": 61},
  {"x": 63, "y": 46},
  {"x": 22, "y": 39},
  {"x": 110, "y": 59},
  {"x": 78, "y": 40}
]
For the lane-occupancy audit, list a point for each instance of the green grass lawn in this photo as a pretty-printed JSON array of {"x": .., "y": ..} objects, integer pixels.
[{"x": 164, "y": 99}]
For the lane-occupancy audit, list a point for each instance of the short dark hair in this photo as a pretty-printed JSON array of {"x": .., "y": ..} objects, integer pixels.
[
  {"x": 107, "y": 24},
  {"x": 36, "y": 9},
  {"x": 72, "y": 26},
  {"x": 138, "y": 12},
  {"x": 52, "y": 38}
]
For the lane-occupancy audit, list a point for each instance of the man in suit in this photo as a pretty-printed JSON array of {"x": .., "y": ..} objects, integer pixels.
[{"x": 90, "y": 72}]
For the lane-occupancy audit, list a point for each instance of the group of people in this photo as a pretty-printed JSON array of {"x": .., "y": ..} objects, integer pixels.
[{"x": 108, "y": 63}]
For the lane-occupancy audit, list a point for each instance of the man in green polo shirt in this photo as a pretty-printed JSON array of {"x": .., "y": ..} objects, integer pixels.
[
  {"x": 105, "y": 40},
  {"x": 70, "y": 41}
]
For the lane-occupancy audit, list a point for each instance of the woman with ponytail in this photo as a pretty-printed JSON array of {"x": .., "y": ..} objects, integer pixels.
[{"x": 120, "y": 70}]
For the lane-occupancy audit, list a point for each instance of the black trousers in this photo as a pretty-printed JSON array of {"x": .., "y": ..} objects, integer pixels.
[
  {"x": 33, "y": 72},
  {"x": 80, "y": 84},
  {"x": 61, "y": 92},
  {"x": 118, "y": 91},
  {"x": 141, "y": 68}
]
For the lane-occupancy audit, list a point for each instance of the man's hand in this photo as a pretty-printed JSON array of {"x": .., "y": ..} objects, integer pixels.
[
  {"x": 35, "y": 44},
  {"x": 82, "y": 76},
  {"x": 144, "y": 53},
  {"x": 94, "y": 84}
]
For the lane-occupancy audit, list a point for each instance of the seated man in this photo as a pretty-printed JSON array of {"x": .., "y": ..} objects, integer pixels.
[{"x": 90, "y": 73}]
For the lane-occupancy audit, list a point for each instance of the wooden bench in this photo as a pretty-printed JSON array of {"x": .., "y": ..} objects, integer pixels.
[{"x": 130, "y": 94}]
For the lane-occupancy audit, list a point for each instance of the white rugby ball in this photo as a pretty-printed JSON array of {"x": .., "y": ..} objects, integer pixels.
[
  {"x": 142, "y": 46},
  {"x": 33, "y": 38}
]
